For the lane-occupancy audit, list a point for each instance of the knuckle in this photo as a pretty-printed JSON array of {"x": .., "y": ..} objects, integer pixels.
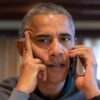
[
  {"x": 27, "y": 63},
  {"x": 31, "y": 64},
  {"x": 37, "y": 60}
]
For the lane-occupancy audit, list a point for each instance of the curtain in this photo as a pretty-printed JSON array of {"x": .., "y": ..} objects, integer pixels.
[{"x": 9, "y": 57}]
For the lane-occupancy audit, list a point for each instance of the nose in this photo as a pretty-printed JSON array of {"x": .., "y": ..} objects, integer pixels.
[{"x": 56, "y": 48}]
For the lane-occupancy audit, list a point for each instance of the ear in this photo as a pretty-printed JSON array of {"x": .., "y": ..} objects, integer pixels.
[{"x": 20, "y": 46}]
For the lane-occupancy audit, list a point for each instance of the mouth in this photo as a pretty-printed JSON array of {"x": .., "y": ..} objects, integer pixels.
[{"x": 56, "y": 67}]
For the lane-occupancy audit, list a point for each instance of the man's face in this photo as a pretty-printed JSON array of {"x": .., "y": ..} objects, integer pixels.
[{"x": 51, "y": 37}]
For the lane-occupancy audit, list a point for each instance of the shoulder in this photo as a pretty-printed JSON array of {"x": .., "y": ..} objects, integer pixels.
[
  {"x": 9, "y": 83},
  {"x": 6, "y": 87}
]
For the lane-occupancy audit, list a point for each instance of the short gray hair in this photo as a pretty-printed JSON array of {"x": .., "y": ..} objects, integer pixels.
[{"x": 45, "y": 8}]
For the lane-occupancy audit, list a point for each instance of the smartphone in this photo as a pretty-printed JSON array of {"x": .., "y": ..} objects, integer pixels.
[
  {"x": 73, "y": 65},
  {"x": 76, "y": 66}
]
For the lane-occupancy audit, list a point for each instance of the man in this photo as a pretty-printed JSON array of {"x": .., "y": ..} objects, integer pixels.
[{"x": 47, "y": 48}]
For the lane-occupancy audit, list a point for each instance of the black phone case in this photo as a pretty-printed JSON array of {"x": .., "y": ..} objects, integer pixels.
[{"x": 73, "y": 64}]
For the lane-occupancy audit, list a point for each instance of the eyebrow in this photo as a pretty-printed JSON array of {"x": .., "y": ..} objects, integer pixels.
[
  {"x": 65, "y": 34},
  {"x": 48, "y": 35},
  {"x": 41, "y": 35}
]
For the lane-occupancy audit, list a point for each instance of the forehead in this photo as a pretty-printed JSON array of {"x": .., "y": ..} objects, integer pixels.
[{"x": 56, "y": 23}]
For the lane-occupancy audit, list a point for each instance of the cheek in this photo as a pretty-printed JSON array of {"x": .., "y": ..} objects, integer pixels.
[{"x": 42, "y": 54}]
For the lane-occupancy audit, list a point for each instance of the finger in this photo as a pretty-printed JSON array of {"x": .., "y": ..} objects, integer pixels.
[
  {"x": 38, "y": 61},
  {"x": 82, "y": 48},
  {"x": 79, "y": 51},
  {"x": 79, "y": 46},
  {"x": 42, "y": 73},
  {"x": 27, "y": 45}
]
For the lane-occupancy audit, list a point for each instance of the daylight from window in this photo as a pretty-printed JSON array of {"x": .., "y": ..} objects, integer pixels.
[{"x": 95, "y": 44}]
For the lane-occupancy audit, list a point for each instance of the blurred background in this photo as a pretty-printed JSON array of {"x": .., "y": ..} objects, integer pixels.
[{"x": 86, "y": 14}]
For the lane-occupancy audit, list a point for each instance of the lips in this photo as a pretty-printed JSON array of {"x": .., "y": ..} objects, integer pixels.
[{"x": 56, "y": 65}]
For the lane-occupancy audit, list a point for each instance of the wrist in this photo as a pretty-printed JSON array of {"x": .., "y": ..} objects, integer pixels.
[
  {"x": 96, "y": 98},
  {"x": 93, "y": 93},
  {"x": 22, "y": 88}
]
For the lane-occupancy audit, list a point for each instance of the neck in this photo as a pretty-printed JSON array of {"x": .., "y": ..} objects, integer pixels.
[{"x": 50, "y": 89}]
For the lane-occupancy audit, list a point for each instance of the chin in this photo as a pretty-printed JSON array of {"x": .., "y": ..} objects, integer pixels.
[
  {"x": 56, "y": 76},
  {"x": 55, "y": 79}
]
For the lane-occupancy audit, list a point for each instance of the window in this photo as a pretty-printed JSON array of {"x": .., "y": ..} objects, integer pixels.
[{"x": 95, "y": 44}]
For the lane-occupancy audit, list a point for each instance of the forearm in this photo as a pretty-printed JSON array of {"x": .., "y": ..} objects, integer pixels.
[{"x": 18, "y": 95}]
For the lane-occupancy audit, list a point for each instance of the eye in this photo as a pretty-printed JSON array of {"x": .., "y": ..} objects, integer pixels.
[
  {"x": 65, "y": 38},
  {"x": 42, "y": 39}
]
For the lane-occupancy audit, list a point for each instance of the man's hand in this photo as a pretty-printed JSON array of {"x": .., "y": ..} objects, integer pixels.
[
  {"x": 87, "y": 82},
  {"x": 31, "y": 68}
]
